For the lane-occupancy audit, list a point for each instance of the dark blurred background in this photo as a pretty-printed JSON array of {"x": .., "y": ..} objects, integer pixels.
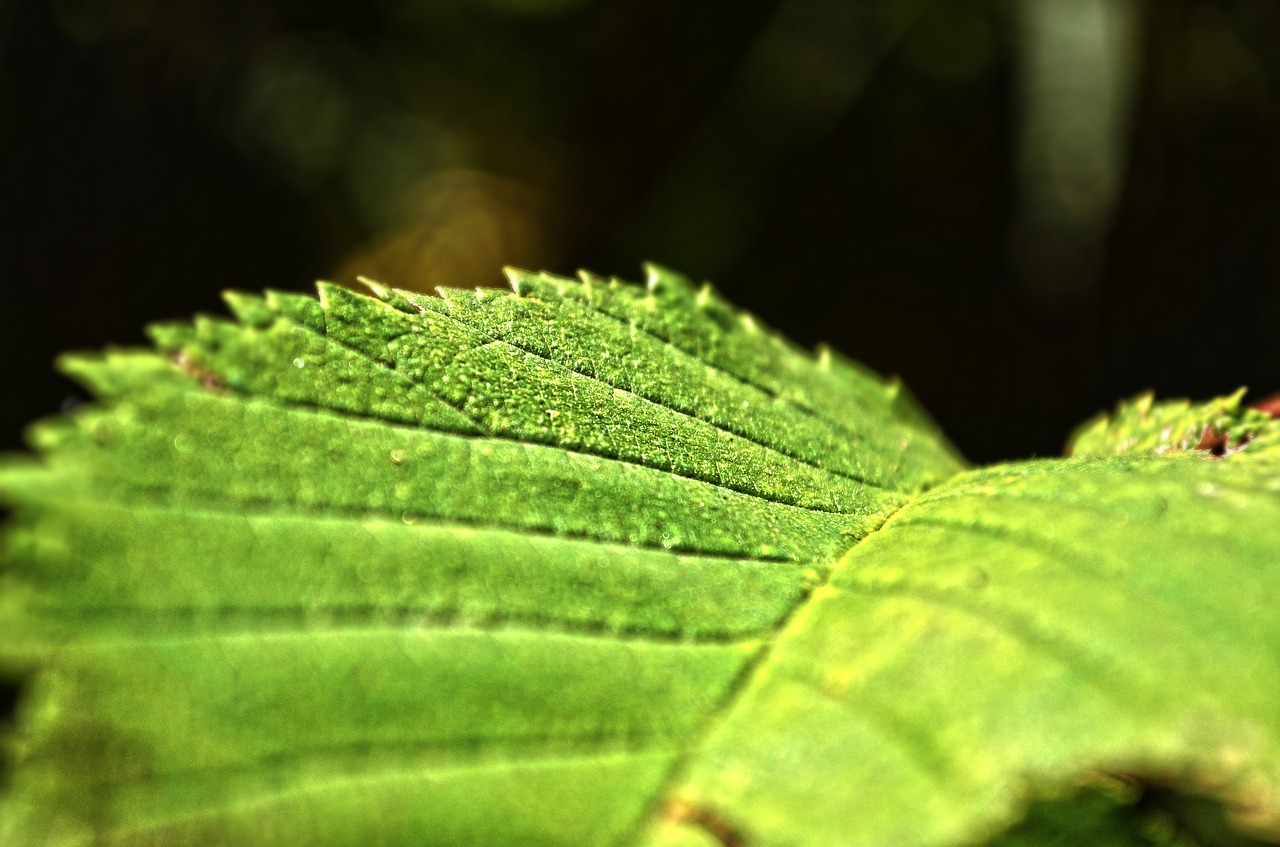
[{"x": 1025, "y": 208}]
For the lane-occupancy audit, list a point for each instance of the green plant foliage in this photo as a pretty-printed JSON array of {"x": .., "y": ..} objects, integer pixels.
[{"x": 589, "y": 563}]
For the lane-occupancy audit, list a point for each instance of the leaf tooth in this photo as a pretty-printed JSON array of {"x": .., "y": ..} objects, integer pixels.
[
  {"x": 250, "y": 309},
  {"x": 461, "y": 299},
  {"x": 365, "y": 324},
  {"x": 171, "y": 336},
  {"x": 554, "y": 333},
  {"x": 663, "y": 280},
  {"x": 705, "y": 296},
  {"x": 211, "y": 331},
  {"x": 302, "y": 309},
  {"x": 518, "y": 279},
  {"x": 334, "y": 296},
  {"x": 354, "y": 311},
  {"x": 391, "y": 296},
  {"x": 118, "y": 371},
  {"x": 544, "y": 286},
  {"x": 1141, "y": 425},
  {"x": 564, "y": 285},
  {"x": 589, "y": 279},
  {"x": 349, "y": 370},
  {"x": 653, "y": 308}
]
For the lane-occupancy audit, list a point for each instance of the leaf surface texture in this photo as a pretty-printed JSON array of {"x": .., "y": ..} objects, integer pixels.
[{"x": 593, "y": 563}]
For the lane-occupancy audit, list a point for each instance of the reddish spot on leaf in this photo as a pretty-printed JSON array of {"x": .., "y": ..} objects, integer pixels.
[
  {"x": 682, "y": 811},
  {"x": 208, "y": 378},
  {"x": 1213, "y": 442},
  {"x": 1218, "y": 445},
  {"x": 1270, "y": 405}
]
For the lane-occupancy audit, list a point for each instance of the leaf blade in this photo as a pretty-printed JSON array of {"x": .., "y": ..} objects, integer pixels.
[
  {"x": 960, "y": 658},
  {"x": 425, "y": 611}
]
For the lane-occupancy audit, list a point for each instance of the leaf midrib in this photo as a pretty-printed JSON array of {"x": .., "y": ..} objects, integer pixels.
[{"x": 746, "y": 678}]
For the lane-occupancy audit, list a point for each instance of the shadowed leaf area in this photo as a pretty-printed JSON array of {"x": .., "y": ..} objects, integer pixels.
[
  {"x": 1125, "y": 813},
  {"x": 592, "y": 563}
]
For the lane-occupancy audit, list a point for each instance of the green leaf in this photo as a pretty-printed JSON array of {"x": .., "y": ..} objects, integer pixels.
[
  {"x": 592, "y": 563},
  {"x": 1018, "y": 627},
  {"x": 1141, "y": 425}
]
